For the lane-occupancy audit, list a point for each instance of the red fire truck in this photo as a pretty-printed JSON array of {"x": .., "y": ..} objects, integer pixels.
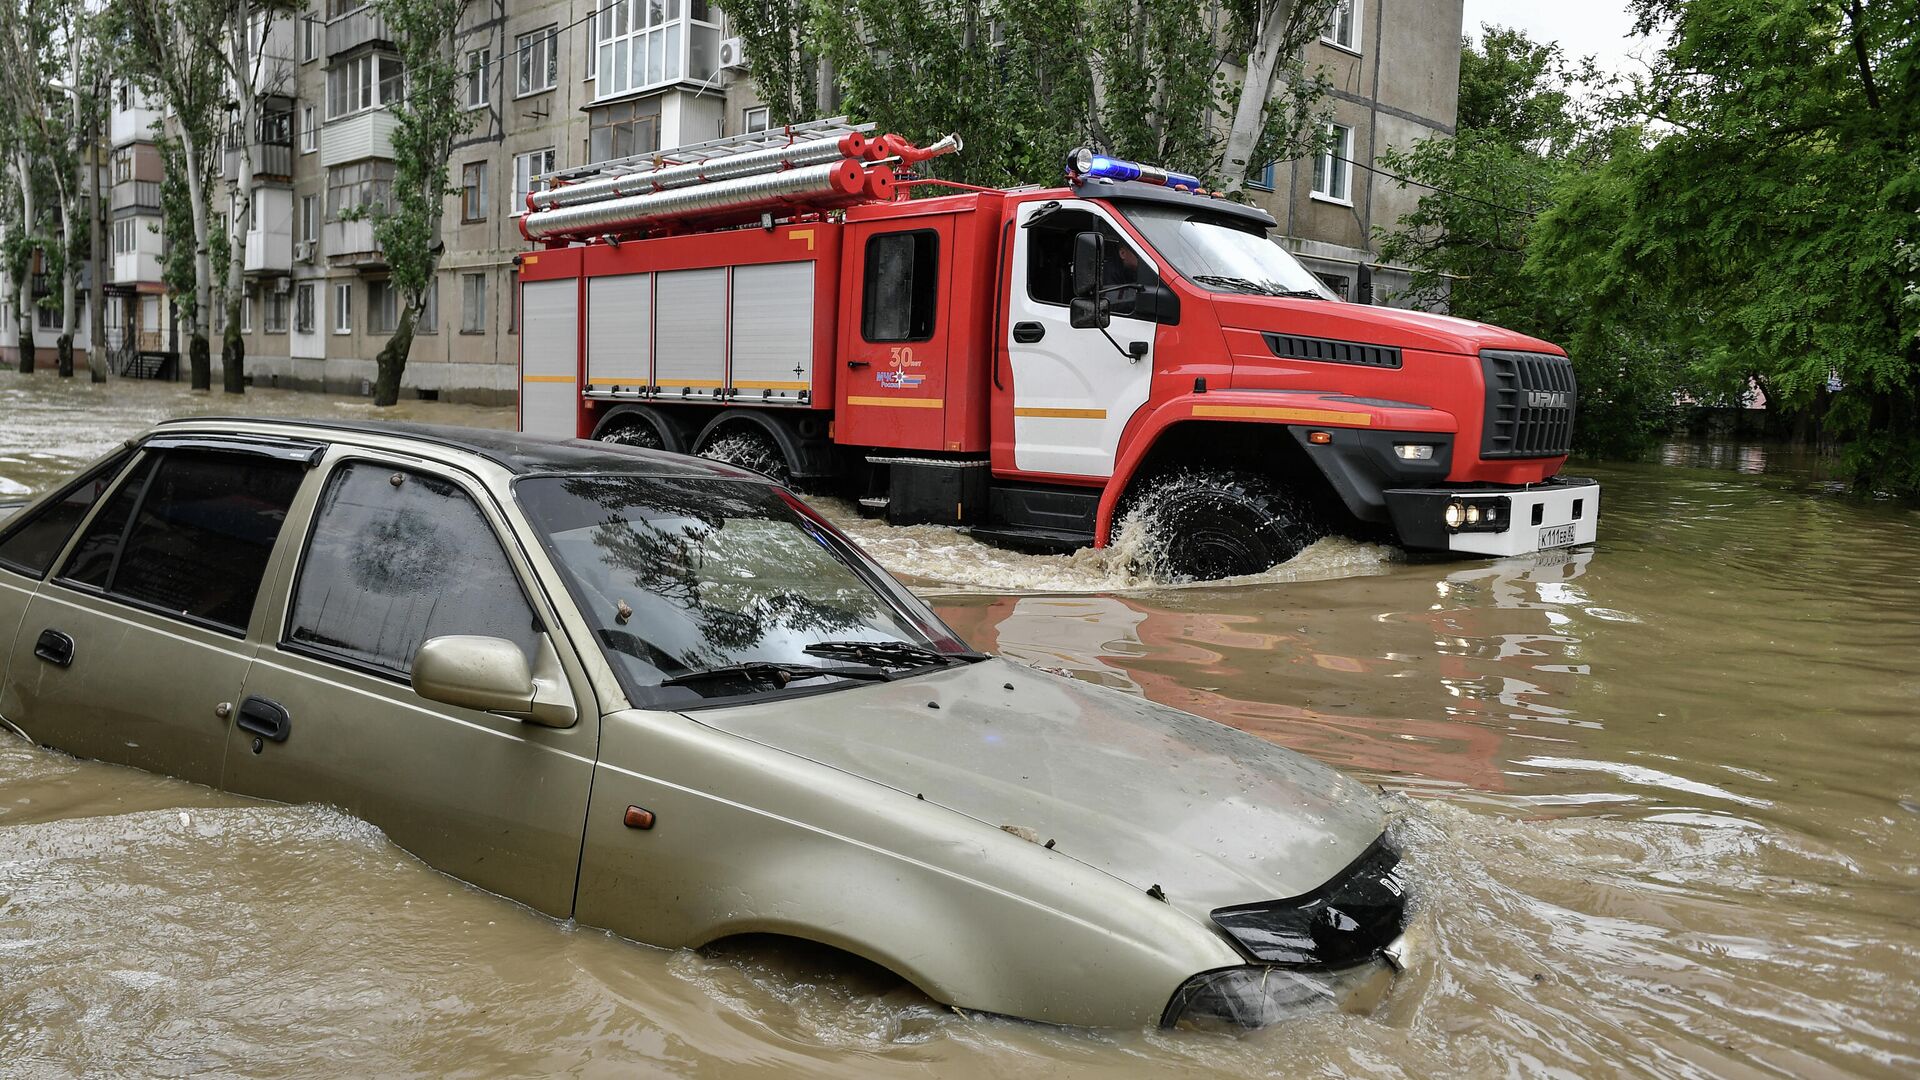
[{"x": 1031, "y": 364}]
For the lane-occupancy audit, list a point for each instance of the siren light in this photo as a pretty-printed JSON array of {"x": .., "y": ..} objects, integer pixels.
[{"x": 1085, "y": 165}]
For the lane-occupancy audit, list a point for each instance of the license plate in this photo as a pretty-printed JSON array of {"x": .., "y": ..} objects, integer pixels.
[{"x": 1556, "y": 536}]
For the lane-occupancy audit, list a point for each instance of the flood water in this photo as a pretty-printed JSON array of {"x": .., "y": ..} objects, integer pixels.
[{"x": 1660, "y": 798}]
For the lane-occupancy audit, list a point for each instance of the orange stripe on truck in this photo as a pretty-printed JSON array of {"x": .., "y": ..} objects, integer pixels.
[
  {"x": 546, "y": 378},
  {"x": 1267, "y": 412},
  {"x": 899, "y": 403}
]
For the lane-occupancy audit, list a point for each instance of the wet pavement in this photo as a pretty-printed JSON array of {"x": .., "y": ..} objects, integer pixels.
[{"x": 1660, "y": 798}]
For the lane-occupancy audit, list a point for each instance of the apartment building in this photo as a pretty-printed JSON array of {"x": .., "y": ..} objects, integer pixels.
[{"x": 553, "y": 84}]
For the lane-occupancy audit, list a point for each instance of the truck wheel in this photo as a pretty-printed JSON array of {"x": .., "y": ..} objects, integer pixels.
[
  {"x": 638, "y": 433},
  {"x": 1203, "y": 524},
  {"x": 751, "y": 449}
]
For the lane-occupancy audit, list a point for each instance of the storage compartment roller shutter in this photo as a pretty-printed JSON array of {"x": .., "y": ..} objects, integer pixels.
[
  {"x": 690, "y": 333},
  {"x": 550, "y": 357},
  {"x": 773, "y": 331},
  {"x": 619, "y": 333}
]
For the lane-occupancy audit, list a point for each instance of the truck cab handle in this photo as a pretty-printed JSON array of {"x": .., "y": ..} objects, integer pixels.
[
  {"x": 858, "y": 364},
  {"x": 1026, "y": 333}
]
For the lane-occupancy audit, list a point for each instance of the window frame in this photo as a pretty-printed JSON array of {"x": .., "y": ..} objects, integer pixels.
[
  {"x": 1119, "y": 232},
  {"x": 343, "y": 312},
  {"x": 473, "y": 192},
  {"x": 543, "y": 41},
  {"x": 1264, "y": 179},
  {"x": 1355, "y": 26},
  {"x": 303, "y": 289},
  {"x": 497, "y": 524},
  {"x": 866, "y": 255},
  {"x": 1336, "y": 159},
  {"x": 746, "y": 119},
  {"x": 517, "y": 198},
  {"x": 480, "y": 309},
  {"x": 479, "y": 71}
]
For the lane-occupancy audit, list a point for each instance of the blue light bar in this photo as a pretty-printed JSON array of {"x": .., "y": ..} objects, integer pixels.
[{"x": 1084, "y": 164}]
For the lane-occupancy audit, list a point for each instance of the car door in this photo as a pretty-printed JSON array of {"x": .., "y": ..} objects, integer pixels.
[
  {"x": 394, "y": 553},
  {"x": 1073, "y": 389},
  {"x": 139, "y": 640}
]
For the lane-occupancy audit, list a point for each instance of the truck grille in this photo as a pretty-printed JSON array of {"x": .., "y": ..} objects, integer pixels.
[{"x": 1530, "y": 403}]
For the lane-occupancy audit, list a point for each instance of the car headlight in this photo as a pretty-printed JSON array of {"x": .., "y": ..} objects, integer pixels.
[{"x": 1240, "y": 998}]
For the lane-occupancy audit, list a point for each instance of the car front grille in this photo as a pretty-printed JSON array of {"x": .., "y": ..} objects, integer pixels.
[{"x": 1530, "y": 404}]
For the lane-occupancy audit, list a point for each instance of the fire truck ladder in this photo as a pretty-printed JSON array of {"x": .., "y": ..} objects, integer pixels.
[{"x": 711, "y": 150}]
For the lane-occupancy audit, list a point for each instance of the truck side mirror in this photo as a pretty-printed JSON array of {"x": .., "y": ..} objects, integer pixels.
[{"x": 1089, "y": 308}]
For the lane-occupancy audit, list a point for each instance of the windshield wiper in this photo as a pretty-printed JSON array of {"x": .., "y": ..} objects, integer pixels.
[
  {"x": 894, "y": 653},
  {"x": 1237, "y": 283},
  {"x": 1296, "y": 294},
  {"x": 780, "y": 674}
]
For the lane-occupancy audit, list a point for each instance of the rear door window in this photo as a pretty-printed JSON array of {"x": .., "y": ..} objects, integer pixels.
[
  {"x": 190, "y": 535},
  {"x": 397, "y": 557},
  {"x": 31, "y": 544}
]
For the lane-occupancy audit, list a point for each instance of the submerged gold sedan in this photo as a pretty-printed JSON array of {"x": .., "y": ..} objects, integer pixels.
[{"x": 662, "y": 696}]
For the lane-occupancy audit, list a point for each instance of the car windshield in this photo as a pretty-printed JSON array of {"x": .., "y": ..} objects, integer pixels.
[
  {"x": 1223, "y": 256},
  {"x": 706, "y": 589}
]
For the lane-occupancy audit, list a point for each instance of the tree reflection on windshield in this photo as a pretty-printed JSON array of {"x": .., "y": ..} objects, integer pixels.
[{"x": 690, "y": 575}]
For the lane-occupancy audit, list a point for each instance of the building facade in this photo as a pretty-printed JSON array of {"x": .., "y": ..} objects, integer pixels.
[{"x": 556, "y": 84}]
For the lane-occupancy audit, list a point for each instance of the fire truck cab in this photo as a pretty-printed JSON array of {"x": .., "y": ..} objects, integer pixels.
[{"x": 1036, "y": 365}]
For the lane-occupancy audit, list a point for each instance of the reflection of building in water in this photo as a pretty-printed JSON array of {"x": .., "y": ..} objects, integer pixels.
[{"x": 1227, "y": 667}]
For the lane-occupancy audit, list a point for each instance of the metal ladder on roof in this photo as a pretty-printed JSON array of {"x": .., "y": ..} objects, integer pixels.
[{"x": 711, "y": 150}]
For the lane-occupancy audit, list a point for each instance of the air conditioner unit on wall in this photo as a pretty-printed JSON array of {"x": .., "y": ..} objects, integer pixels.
[
  {"x": 283, "y": 285},
  {"x": 303, "y": 250},
  {"x": 732, "y": 55}
]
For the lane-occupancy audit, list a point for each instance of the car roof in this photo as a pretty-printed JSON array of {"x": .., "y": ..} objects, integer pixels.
[{"x": 517, "y": 452}]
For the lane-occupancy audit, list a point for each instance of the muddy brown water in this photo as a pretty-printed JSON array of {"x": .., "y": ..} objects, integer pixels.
[{"x": 1660, "y": 797}]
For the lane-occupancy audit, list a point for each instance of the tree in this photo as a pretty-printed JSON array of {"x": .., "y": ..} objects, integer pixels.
[
  {"x": 246, "y": 64},
  {"x": 1274, "y": 35},
  {"x": 428, "y": 123},
  {"x": 173, "y": 49},
  {"x": 1770, "y": 201},
  {"x": 26, "y": 72}
]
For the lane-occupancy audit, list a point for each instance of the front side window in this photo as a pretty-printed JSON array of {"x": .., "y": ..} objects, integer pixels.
[
  {"x": 193, "y": 540},
  {"x": 682, "y": 576},
  {"x": 389, "y": 565},
  {"x": 1333, "y": 168},
  {"x": 1050, "y": 258},
  {"x": 30, "y": 544},
  {"x": 1220, "y": 254},
  {"x": 902, "y": 283},
  {"x": 537, "y": 61}
]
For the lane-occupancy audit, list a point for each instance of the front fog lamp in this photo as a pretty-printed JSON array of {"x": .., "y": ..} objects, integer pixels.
[
  {"x": 1455, "y": 515},
  {"x": 1241, "y": 998},
  {"x": 1473, "y": 514},
  {"x": 1413, "y": 451}
]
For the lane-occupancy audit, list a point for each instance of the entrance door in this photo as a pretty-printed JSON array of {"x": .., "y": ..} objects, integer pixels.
[
  {"x": 1073, "y": 390},
  {"x": 397, "y": 554}
]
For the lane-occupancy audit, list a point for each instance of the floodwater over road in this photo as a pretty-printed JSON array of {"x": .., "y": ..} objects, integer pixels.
[{"x": 1660, "y": 798}]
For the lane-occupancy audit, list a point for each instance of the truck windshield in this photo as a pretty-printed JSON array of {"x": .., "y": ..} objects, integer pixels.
[
  {"x": 1220, "y": 255},
  {"x": 700, "y": 590}
]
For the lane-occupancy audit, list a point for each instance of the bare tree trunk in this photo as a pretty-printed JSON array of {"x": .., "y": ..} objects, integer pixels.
[
  {"x": 23, "y": 282},
  {"x": 97, "y": 252},
  {"x": 1249, "y": 112},
  {"x": 68, "y": 287},
  {"x": 242, "y": 68},
  {"x": 200, "y": 354},
  {"x": 392, "y": 361}
]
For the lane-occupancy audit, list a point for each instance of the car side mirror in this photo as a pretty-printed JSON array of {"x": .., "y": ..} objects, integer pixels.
[
  {"x": 1089, "y": 265},
  {"x": 491, "y": 674},
  {"x": 1089, "y": 313}
]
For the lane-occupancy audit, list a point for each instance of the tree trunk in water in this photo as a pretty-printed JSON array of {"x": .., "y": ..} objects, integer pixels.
[
  {"x": 233, "y": 358},
  {"x": 200, "y": 356},
  {"x": 393, "y": 361},
  {"x": 27, "y": 347},
  {"x": 96, "y": 253},
  {"x": 63, "y": 346}
]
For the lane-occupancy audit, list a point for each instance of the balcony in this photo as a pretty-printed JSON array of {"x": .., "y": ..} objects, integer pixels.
[
  {"x": 351, "y": 243},
  {"x": 271, "y": 161},
  {"x": 354, "y": 29},
  {"x": 133, "y": 125},
  {"x": 269, "y": 251},
  {"x": 134, "y": 267},
  {"x": 366, "y": 134},
  {"x": 134, "y": 196}
]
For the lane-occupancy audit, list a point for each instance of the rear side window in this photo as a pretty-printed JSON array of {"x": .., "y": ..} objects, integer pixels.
[
  {"x": 395, "y": 558},
  {"x": 903, "y": 276},
  {"x": 31, "y": 544},
  {"x": 192, "y": 536}
]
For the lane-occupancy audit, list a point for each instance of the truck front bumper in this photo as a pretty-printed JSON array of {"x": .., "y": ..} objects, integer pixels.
[{"x": 1561, "y": 512}]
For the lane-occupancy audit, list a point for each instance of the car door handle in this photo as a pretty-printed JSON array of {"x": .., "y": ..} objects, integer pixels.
[
  {"x": 1026, "y": 333},
  {"x": 267, "y": 719},
  {"x": 55, "y": 648}
]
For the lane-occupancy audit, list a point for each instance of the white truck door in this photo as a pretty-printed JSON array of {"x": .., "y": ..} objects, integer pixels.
[{"x": 1073, "y": 390}]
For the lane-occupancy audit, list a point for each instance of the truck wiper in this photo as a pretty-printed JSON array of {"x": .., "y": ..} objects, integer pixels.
[
  {"x": 1238, "y": 284},
  {"x": 892, "y": 653},
  {"x": 779, "y": 674}
]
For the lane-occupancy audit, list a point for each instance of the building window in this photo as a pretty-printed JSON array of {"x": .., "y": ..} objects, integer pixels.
[
  {"x": 473, "y": 191},
  {"x": 123, "y": 165},
  {"x": 125, "y": 97},
  {"x": 343, "y": 307},
  {"x": 310, "y": 36},
  {"x": 623, "y": 129},
  {"x": 246, "y": 311},
  {"x": 1339, "y": 284},
  {"x": 309, "y": 129},
  {"x": 479, "y": 61},
  {"x": 364, "y": 82},
  {"x": 1261, "y": 178},
  {"x": 1343, "y": 25},
  {"x": 276, "y": 313},
  {"x": 473, "y": 303},
  {"x": 383, "y": 307},
  {"x": 1333, "y": 169},
  {"x": 362, "y": 185},
  {"x": 525, "y": 168},
  {"x": 754, "y": 119},
  {"x": 429, "y": 320},
  {"x": 124, "y": 236},
  {"x": 648, "y": 43},
  {"x": 309, "y": 218},
  {"x": 537, "y": 61},
  {"x": 303, "y": 307}
]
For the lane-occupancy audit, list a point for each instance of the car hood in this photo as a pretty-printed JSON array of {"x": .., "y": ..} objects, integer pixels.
[
  {"x": 1372, "y": 324},
  {"x": 1149, "y": 794}
]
